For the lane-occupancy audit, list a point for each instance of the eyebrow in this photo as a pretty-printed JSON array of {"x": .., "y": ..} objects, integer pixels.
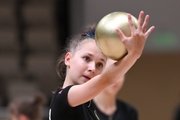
[{"x": 100, "y": 58}]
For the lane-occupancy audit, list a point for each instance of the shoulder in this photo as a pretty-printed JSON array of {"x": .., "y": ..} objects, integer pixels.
[
  {"x": 59, "y": 107},
  {"x": 60, "y": 95},
  {"x": 60, "y": 91}
]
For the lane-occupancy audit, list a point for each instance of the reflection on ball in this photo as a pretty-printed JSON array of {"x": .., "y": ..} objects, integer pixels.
[{"x": 106, "y": 37}]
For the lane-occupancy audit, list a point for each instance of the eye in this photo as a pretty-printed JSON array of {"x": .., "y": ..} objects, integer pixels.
[
  {"x": 86, "y": 58},
  {"x": 100, "y": 65}
]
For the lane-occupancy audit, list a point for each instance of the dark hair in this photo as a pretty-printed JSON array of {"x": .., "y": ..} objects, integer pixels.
[
  {"x": 28, "y": 106},
  {"x": 71, "y": 46}
]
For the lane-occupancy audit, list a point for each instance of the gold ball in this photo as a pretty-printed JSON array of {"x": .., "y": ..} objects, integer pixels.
[{"x": 106, "y": 37}]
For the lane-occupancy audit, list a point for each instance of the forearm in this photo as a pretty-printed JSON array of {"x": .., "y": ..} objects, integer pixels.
[{"x": 119, "y": 68}]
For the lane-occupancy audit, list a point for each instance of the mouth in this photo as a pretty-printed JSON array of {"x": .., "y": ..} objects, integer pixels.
[{"x": 86, "y": 77}]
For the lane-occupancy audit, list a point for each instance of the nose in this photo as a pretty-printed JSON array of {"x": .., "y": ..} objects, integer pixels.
[{"x": 92, "y": 67}]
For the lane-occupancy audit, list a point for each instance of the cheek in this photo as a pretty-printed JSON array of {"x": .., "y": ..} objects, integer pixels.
[
  {"x": 79, "y": 66},
  {"x": 98, "y": 71}
]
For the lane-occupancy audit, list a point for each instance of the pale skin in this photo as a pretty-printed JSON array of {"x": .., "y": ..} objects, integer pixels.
[
  {"x": 85, "y": 64},
  {"x": 106, "y": 100}
]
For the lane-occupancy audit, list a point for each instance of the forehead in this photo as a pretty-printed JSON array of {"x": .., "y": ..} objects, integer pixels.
[{"x": 89, "y": 46}]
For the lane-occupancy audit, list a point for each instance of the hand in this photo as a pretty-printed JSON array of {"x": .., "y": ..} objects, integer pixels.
[{"x": 136, "y": 42}]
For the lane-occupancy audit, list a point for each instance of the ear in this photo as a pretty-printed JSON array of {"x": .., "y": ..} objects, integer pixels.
[{"x": 67, "y": 59}]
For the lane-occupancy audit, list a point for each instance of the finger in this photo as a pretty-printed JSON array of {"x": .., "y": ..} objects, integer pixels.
[
  {"x": 140, "y": 19},
  {"x": 145, "y": 24},
  {"x": 149, "y": 31},
  {"x": 132, "y": 27},
  {"x": 120, "y": 33}
]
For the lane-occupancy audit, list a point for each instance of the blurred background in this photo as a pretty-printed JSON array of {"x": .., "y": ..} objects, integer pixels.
[{"x": 33, "y": 32}]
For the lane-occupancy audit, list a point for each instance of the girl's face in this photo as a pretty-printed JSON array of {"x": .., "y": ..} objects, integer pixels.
[{"x": 85, "y": 62}]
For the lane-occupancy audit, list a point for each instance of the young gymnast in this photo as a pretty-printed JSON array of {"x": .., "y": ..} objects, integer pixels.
[{"x": 82, "y": 66}]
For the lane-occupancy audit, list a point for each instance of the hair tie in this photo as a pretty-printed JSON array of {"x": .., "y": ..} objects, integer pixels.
[{"x": 90, "y": 33}]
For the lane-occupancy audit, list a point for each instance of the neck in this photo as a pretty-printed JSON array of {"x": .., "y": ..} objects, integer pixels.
[
  {"x": 67, "y": 82},
  {"x": 106, "y": 103}
]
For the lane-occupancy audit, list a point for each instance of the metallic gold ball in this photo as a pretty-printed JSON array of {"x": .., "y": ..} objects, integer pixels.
[{"x": 106, "y": 37}]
